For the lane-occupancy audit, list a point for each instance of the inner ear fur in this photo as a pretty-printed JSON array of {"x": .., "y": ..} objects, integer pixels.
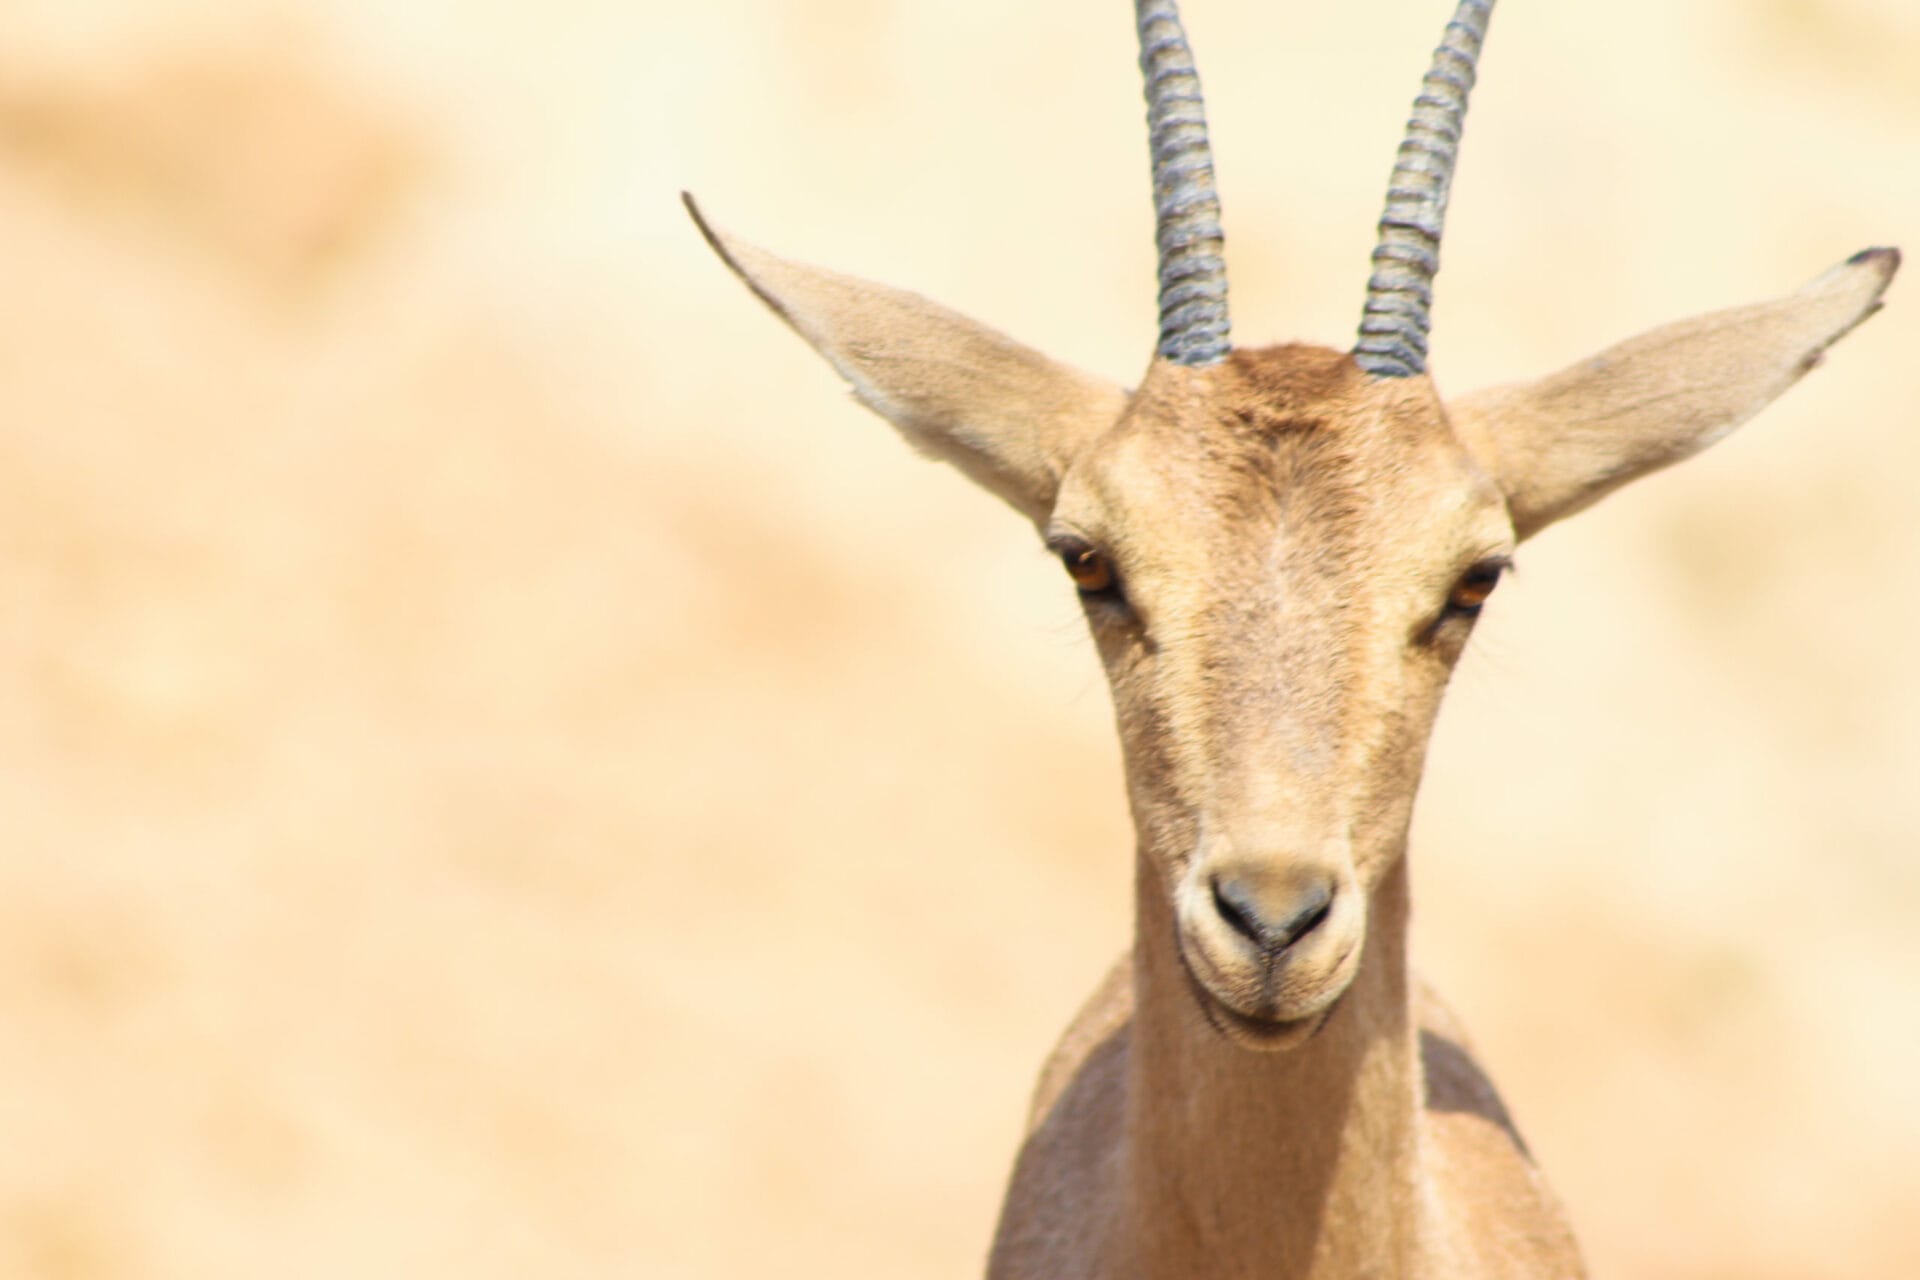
[
  {"x": 1006, "y": 415},
  {"x": 1560, "y": 443}
]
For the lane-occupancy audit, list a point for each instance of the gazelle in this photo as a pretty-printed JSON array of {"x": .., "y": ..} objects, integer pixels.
[{"x": 1281, "y": 553}]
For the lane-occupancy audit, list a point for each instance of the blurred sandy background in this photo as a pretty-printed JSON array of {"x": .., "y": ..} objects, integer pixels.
[{"x": 507, "y": 772}]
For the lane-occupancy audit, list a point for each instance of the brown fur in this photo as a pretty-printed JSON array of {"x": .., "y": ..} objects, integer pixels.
[{"x": 1287, "y": 535}]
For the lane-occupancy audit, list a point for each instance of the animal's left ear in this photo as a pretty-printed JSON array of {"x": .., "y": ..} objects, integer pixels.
[{"x": 1561, "y": 443}]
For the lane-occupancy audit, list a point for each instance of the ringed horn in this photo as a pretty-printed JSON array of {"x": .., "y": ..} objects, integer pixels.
[
  {"x": 1393, "y": 328},
  {"x": 1193, "y": 273}
]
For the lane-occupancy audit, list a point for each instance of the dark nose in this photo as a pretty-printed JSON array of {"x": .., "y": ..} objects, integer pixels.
[{"x": 1271, "y": 922}]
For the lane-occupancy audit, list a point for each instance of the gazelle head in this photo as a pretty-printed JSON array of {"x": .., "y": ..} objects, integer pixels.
[{"x": 1281, "y": 551}]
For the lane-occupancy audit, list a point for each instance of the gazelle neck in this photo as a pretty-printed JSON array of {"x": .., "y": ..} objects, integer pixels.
[{"x": 1298, "y": 1163}]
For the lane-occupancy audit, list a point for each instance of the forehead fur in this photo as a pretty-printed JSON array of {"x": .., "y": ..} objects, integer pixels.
[{"x": 1276, "y": 426}]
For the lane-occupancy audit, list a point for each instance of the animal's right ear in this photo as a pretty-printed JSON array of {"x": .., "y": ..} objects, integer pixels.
[{"x": 1003, "y": 413}]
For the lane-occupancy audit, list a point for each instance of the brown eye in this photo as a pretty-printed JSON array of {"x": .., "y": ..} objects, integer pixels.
[
  {"x": 1089, "y": 570},
  {"x": 1475, "y": 585}
]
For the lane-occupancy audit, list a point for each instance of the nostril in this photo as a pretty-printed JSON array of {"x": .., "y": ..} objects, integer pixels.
[
  {"x": 1236, "y": 906},
  {"x": 1241, "y": 908},
  {"x": 1309, "y": 917}
]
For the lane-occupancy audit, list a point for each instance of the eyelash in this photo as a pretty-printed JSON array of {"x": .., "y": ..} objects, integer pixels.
[
  {"x": 1471, "y": 592},
  {"x": 1091, "y": 570}
]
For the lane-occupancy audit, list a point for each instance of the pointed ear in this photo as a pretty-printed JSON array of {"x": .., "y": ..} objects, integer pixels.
[
  {"x": 1003, "y": 413},
  {"x": 1563, "y": 442}
]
